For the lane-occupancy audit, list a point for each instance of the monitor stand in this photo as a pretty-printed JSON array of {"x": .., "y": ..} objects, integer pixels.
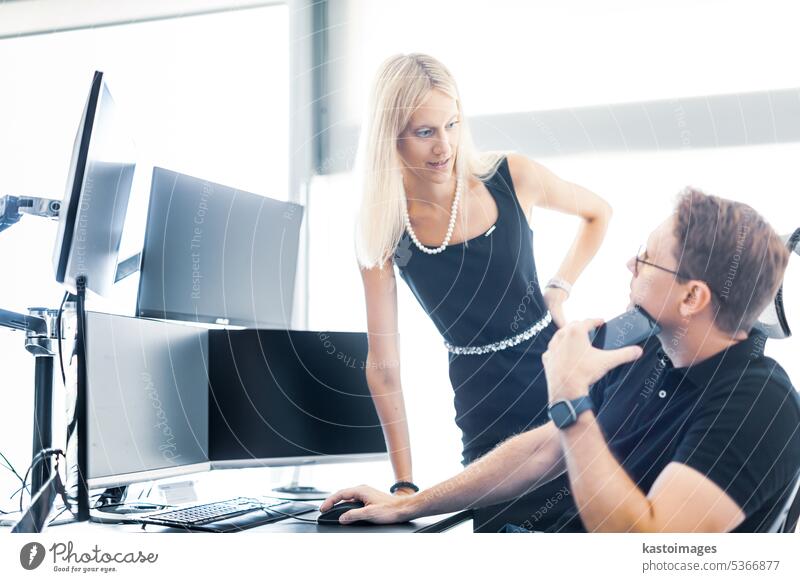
[
  {"x": 114, "y": 501},
  {"x": 299, "y": 492}
]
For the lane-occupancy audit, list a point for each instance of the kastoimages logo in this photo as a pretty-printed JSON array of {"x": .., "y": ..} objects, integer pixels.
[{"x": 31, "y": 555}]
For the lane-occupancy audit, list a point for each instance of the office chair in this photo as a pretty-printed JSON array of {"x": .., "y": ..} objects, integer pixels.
[
  {"x": 772, "y": 322},
  {"x": 792, "y": 518},
  {"x": 786, "y": 521}
]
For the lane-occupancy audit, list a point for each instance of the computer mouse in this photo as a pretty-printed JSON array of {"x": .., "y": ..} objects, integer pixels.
[{"x": 331, "y": 517}]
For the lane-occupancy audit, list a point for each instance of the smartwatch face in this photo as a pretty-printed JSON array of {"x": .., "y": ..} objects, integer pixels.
[{"x": 561, "y": 413}]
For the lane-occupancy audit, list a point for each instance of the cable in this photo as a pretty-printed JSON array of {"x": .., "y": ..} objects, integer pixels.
[
  {"x": 24, "y": 487},
  {"x": 40, "y": 456},
  {"x": 58, "y": 325},
  {"x": 17, "y": 490},
  {"x": 63, "y": 509},
  {"x": 268, "y": 508},
  {"x": 5, "y": 460},
  {"x": 9, "y": 466},
  {"x": 304, "y": 498}
]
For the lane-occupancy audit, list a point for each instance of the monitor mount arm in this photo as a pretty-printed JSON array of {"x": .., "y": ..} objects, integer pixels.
[
  {"x": 41, "y": 333},
  {"x": 13, "y": 207}
]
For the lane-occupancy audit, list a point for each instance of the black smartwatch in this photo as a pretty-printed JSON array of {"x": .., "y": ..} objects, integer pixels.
[
  {"x": 564, "y": 413},
  {"x": 403, "y": 485}
]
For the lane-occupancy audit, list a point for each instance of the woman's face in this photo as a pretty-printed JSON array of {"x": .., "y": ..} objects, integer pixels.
[{"x": 429, "y": 143}]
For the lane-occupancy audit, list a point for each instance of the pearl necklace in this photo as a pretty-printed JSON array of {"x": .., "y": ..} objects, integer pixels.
[{"x": 450, "y": 226}]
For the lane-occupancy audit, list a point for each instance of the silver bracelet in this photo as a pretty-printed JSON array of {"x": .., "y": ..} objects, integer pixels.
[{"x": 559, "y": 283}]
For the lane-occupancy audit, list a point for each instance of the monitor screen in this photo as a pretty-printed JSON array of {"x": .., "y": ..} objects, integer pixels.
[
  {"x": 167, "y": 398},
  {"x": 147, "y": 399},
  {"x": 98, "y": 187},
  {"x": 215, "y": 254},
  {"x": 279, "y": 397}
]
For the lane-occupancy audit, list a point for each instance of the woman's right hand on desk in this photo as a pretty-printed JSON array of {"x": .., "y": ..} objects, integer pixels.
[{"x": 379, "y": 507}]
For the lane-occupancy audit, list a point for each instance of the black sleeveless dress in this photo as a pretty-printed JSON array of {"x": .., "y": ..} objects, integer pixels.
[{"x": 480, "y": 293}]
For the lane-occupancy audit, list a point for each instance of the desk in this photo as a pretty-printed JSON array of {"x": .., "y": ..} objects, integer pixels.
[
  {"x": 252, "y": 482},
  {"x": 433, "y": 524}
]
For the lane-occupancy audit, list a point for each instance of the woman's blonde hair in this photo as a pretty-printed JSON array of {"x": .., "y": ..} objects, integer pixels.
[{"x": 400, "y": 87}]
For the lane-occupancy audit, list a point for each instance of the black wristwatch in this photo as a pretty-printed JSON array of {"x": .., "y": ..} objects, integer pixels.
[
  {"x": 564, "y": 413},
  {"x": 403, "y": 485}
]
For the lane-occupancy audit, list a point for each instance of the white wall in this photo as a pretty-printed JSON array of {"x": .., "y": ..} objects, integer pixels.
[
  {"x": 204, "y": 95},
  {"x": 511, "y": 56}
]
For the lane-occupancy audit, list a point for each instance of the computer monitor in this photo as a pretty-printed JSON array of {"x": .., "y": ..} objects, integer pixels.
[
  {"x": 147, "y": 399},
  {"x": 96, "y": 198},
  {"x": 280, "y": 397},
  {"x": 167, "y": 398},
  {"x": 216, "y": 254}
]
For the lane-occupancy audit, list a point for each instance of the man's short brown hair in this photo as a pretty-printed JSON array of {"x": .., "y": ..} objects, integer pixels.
[{"x": 734, "y": 250}]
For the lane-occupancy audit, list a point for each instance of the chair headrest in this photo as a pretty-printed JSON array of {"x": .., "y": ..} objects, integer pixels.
[{"x": 772, "y": 321}]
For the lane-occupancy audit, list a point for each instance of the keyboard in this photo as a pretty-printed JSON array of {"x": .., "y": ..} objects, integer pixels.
[{"x": 225, "y": 516}]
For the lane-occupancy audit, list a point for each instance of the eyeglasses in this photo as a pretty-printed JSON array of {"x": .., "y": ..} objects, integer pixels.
[{"x": 639, "y": 259}]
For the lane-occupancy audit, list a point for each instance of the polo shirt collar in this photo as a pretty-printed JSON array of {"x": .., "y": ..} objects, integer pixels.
[{"x": 733, "y": 358}]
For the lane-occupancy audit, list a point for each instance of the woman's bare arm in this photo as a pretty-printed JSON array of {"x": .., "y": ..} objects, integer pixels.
[{"x": 383, "y": 365}]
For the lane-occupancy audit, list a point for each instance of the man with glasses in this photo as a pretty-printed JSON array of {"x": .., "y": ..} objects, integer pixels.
[{"x": 695, "y": 430}]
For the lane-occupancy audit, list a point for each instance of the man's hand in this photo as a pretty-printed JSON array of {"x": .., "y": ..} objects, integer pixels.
[
  {"x": 403, "y": 491},
  {"x": 379, "y": 507},
  {"x": 572, "y": 364}
]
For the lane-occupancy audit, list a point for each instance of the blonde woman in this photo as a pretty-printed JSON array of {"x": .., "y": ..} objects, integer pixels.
[{"x": 454, "y": 222}]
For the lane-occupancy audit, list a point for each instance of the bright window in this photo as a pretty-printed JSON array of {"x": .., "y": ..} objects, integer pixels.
[{"x": 204, "y": 95}]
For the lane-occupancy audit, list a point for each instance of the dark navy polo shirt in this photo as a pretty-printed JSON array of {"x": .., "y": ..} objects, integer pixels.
[{"x": 735, "y": 418}]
